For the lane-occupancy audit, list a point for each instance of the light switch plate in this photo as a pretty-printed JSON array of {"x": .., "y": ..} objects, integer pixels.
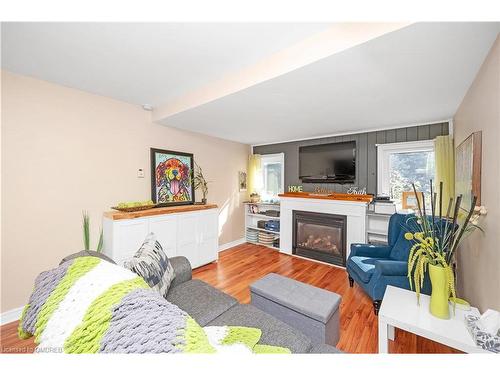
[{"x": 140, "y": 173}]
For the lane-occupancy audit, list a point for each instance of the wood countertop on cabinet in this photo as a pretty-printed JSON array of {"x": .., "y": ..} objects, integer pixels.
[{"x": 120, "y": 215}]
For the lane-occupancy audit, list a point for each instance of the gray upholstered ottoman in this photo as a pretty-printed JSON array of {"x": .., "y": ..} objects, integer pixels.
[{"x": 312, "y": 310}]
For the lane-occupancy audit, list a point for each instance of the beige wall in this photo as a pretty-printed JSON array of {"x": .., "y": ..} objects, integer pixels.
[
  {"x": 65, "y": 150},
  {"x": 479, "y": 257}
]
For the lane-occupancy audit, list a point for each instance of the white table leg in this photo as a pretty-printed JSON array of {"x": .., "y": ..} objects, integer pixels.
[
  {"x": 383, "y": 330},
  {"x": 390, "y": 332}
]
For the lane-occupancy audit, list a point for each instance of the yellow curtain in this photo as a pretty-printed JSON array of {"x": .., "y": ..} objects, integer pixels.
[
  {"x": 254, "y": 173},
  {"x": 444, "y": 153}
]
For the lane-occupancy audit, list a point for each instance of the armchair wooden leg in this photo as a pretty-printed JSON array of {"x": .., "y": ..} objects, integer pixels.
[
  {"x": 376, "y": 306},
  {"x": 351, "y": 281}
]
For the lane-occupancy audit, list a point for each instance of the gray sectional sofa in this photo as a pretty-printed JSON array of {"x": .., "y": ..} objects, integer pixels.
[{"x": 211, "y": 307}]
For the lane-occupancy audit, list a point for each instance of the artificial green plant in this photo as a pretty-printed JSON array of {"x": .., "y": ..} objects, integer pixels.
[
  {"x": 438, "y": 236},
  {"x": 86, "y": 234}
]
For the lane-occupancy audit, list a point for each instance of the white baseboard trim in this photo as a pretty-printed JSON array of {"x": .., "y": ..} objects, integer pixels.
[
  {"x": 231, "y": 244},
  {"x": 11, "y": 315}
]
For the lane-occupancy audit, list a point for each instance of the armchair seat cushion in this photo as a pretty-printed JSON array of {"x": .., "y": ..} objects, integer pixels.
[{"x": 363, "y": 267}]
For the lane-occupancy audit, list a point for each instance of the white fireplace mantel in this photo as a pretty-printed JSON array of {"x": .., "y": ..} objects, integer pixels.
[{"x": 355, "y": 212}]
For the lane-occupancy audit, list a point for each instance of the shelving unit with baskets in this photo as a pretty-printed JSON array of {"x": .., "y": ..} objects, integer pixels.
[{"x": 262, "y": 224}]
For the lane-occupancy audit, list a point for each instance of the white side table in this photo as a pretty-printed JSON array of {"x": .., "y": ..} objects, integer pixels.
[{"x": 399, "y": 309}]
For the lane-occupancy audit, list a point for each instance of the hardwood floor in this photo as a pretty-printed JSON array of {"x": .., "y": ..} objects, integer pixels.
[
  {"x": 11, "y": 343},
  {"x": 239, "y": 266}
]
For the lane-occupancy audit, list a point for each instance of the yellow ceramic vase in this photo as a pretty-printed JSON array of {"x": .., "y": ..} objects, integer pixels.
[{"x": 440, "y": 292}]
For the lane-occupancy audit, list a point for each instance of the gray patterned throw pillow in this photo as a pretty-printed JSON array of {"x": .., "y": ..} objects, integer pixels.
[{"x": 152, "y": 264}]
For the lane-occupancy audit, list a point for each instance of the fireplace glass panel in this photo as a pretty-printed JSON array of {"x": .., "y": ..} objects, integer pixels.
[{"x": 319, "y": 238}]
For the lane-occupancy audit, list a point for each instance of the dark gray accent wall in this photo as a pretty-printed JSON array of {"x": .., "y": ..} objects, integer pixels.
[{"x": 366, "y": 153}]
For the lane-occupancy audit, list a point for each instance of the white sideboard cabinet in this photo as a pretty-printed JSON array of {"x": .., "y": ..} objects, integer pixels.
[{"x": 191, "y": 231}]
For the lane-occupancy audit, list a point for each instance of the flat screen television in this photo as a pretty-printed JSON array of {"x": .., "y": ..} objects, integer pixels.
[{"x": 332, "y": 162}]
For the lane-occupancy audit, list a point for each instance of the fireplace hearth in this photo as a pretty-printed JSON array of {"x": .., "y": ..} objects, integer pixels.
[{"x": 320, "y": 236}]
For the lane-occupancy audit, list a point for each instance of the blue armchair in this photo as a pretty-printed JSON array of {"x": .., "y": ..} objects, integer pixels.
[{"x": 373, "y": 267}]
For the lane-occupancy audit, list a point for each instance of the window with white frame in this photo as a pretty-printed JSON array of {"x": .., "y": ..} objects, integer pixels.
[
  {"x": 273, "y": 176},
  {"x": 401, "y": 164}
]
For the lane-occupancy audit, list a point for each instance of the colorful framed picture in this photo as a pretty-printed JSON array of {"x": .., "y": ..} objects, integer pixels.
[{"x": 171, "y": 177}]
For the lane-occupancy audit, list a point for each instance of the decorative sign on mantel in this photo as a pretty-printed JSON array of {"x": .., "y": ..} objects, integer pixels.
[
  {"x": 356, "y": 190},
  {"x": 295, "y": 188},
  {"x": 322, "y": 190},
  {"x": 319, "y": 190}
]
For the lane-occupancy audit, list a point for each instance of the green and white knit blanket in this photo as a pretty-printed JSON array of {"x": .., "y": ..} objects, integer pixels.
[{"x": 88, "y": 305}]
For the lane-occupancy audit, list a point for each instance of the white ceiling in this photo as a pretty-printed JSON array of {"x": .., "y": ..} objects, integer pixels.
[
  {"x": 414, "y": 75},
  {"x": 142, "y": 62}
]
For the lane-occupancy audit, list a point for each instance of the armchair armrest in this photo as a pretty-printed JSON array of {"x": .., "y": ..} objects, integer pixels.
[
  {"x": 182, "y": 269},
  {"x": 391, "y": 267},
  {"x": 372, "y": 251}
]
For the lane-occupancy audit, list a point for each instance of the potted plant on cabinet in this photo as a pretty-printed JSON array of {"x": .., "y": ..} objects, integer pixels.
[{"x": 200, "y": 182}]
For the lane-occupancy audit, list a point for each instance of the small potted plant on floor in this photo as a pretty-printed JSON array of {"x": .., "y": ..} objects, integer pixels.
[
  {"x": 86, "y": 243},
  {"x": 86, "y": 235},
  {"x": 436, "y": 240}
]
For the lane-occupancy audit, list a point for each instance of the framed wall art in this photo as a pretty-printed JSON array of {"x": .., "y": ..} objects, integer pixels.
[
  {"x": 171, "y": 177},
  {"x": 409, "y": 200},
  {"x": 468, "y": 169},
  {"x": 242, "y": 181}
]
